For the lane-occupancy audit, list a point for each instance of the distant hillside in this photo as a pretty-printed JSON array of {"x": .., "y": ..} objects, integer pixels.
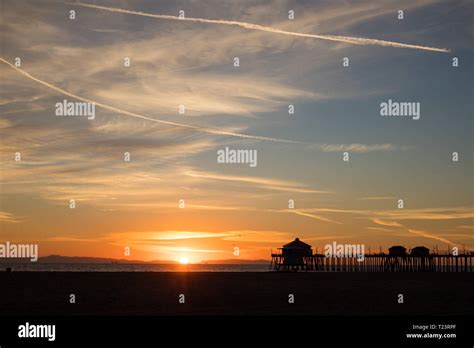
[{"x": 82, "y": 259}]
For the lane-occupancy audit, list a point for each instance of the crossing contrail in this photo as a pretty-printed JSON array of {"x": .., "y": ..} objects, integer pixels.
[
  {"x": 133, "y": 114},
  {"x": 337, "y": 38}
]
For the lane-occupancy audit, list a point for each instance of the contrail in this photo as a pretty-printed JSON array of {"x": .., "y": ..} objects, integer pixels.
[
  {"x": 132, "y": 114},
  {"x": 346, "y": 39},
  {"x": 431, "y": 236},
  {"x": 317, "y": 217}
]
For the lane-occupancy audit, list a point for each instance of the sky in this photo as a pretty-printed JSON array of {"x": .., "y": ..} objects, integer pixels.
[{"x": 173, "y": 156}]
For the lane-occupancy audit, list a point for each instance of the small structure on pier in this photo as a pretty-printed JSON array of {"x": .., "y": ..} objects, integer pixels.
[
  {"x": 294, "y": 256},
  {"x": 420, "y": 251},
  {"x": 420, "y": 260},
  {"x": 397, "y": 250},
  {"x": 396, "y": 260}
]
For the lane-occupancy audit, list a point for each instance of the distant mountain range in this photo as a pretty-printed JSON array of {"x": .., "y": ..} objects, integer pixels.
[{"x": 85, "y": 259}]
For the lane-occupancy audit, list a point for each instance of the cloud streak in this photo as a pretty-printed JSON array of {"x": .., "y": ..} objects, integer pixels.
[
  {"x": 132, "y": 114},
  {"x": 8, "y": 217},
  {"x": 251, "y": 26},
  {"x": 272, "y": 184},
  {"x": 431, "y": 236},
  {"x": 359, "y": 148},
  {"x": 387, "y": 223},
  {"x": 312, "y": 216}
]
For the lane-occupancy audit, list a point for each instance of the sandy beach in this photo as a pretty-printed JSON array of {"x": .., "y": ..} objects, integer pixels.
[{"x": 152, "y": 293}]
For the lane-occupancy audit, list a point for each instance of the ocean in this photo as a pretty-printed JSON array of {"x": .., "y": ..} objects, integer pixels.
[{"x": 129, "y": 267}]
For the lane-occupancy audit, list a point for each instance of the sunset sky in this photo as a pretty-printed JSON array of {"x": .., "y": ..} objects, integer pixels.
[{"x": 136, "y": 204}]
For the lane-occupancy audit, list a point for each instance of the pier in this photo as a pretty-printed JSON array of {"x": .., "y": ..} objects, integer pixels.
[
  {"x": 379, "y": 263},
  {"x": 298, "y": 256}
]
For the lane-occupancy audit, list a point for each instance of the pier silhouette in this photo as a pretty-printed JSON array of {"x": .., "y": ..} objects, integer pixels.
[{"x": 298, "y": 256}]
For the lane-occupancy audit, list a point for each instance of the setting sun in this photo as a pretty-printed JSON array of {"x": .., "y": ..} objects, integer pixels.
[{"x": 184, "y": 261}]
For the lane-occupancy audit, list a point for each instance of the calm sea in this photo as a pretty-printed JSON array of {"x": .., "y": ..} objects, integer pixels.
[{"x": 124, "y": 267}]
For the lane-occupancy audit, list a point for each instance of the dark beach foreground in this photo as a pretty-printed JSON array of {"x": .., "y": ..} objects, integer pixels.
[{"x": 219, "y": 293}]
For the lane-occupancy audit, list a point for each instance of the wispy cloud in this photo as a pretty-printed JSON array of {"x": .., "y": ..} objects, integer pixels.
[
  {"x": 133, "y": 114},
  {"x": 157, "y": 237},
  {"x": 431, "y": 236},
  {"x": 272, "y": 184},
  {"x": 71, "y": 239},
  {"x": 179, "y": 235},
  {"x": 312, "y": 216},
  {"x": 467, "y": 227},
  {"x": 443, "y": 213},
  {"x": 186, "y": 250},
  {"x": 8, "y": 217},
  {"x": 265, "y": 237},
  {"x": 376, "y": 198},
  {"x": 450, "y": 213},
  {"x": 360, "y": 148},
  {"x": 387, "y": 223},
  {"x": 378, "y": 229}
]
